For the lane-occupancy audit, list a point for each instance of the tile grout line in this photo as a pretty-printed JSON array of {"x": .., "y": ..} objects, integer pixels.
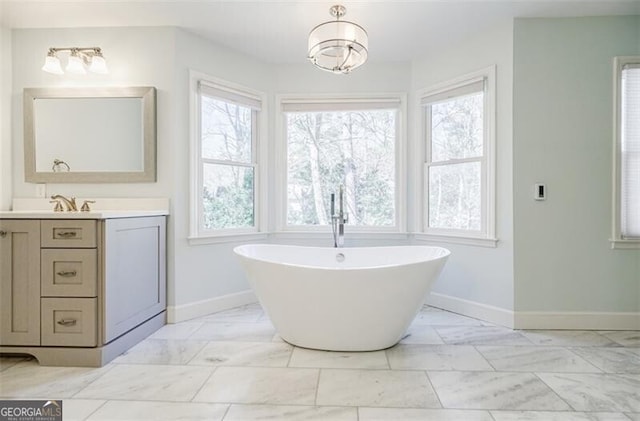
[
  {"x": 601, "y": 370},
  {"x": 203, "y": 384},
  {"x": 195, "y": 354},
  {"x": 557, "y": 348},
  {"x": 293, "y": 348},
  {"x": 553, "y": 390},
  {"x": 94, "y": 380},
  {"x": 315, "y": 397},
  {"x": 426, "y": 374},
  {"x": 484, "y": 358},
  {"x": 94, "y": 411},
  {"x": 570, "y": 409},
  {"x": 226, "y": 412},
  {"x": 387, "y": 356},
  {"x": 188, "y": 337}
]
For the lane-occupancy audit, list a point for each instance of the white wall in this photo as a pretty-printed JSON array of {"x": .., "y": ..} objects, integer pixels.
[
  {"x": 135, "y": 57},
  {"x": 563, "y": 137},
  {"x": 478, "y": 274},
  {"x": 204, "y": 271},
  {"x": 372, "y": 77},
  {"x": 5, "y": 118}
]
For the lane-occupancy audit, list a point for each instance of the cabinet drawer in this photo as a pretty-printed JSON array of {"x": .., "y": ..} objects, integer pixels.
[
  {"x": 69, "y": 322},
  {"x": 68, "y": 233},
  {"x": 69, "y": 272}
]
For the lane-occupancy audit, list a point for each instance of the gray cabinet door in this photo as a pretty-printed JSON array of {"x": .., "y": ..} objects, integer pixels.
[
  {"x": 134, "y": 273},
  {"x": 19, "y": 282}
]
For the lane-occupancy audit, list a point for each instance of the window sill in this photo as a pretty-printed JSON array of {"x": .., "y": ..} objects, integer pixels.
[
  {"x": 357, "y": 235},
  {"x": 227, "y": 238},
  {"x": 620, "y": 244},
  {"x": 453, "y": 239}
]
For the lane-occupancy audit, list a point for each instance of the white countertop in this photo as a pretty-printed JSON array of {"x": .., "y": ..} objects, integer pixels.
[
  {"x": 103, "y": 208},
  {"x": 94, "y": 214}
]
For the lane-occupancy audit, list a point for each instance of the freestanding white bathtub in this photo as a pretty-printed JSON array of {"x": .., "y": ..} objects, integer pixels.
[{"x": 341, "y": 299}]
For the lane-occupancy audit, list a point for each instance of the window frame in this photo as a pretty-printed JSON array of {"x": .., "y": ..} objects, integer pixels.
[
  {"x": 486, "y": 236},
  {"x": 282, "y": 229},
  {"x": 617, "y": 240},
  {"x": 198, "y": 233}
]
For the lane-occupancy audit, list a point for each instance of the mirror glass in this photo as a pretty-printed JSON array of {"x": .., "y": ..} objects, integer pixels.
[{"x": 84, "y": 135}]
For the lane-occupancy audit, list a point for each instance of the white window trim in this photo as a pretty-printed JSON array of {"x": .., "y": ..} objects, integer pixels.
[
  {"x": 616, "y": 240},
  {"x": 327, "y": 236},
  {"x": 486, "y": 237},
  {"x": 196, "y": 235},
  {"x": 400, "y": 226},
  {"x": 456, "y": 239}
]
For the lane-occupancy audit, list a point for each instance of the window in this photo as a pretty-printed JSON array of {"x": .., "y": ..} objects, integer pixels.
[
  {"x": 353, "y": 143},
  {"x": 226, "y": 168},
  {"x": 626, "y": 229},
  {"x": 458, "y": 166}
]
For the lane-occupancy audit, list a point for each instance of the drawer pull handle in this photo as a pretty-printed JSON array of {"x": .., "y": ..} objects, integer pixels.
[
  {"x": 66, "y": 234},
  {"x": 3, "y": 234},
  {"x": 67, "y": 273},
  {"x": 67, "y": 322}
]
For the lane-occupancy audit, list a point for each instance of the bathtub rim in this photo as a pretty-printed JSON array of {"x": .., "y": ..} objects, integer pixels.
[{"x": 236, "y": 249}]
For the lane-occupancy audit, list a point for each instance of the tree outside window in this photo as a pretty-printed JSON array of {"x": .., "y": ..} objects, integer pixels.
[
  {"x": 356, "y": 149},
  {"x": 458, "y": 168},
  {"x": 456, "y": 133},
  {"x": 228, "y": 164}
]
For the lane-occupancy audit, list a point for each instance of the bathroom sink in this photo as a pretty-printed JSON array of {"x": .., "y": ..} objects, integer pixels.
[{"x": 102, "y": 208}]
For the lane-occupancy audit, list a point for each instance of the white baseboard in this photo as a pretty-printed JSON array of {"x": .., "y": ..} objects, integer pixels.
[
  {"x": 577, "y": 320},
  {"x": 547, "y": 320},
  {"x": 201, "y": 308},
  {"x": 488, "y": 313}
]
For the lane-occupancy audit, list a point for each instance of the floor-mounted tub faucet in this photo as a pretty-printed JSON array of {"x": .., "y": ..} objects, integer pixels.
[{"x": 338, "y": 219}]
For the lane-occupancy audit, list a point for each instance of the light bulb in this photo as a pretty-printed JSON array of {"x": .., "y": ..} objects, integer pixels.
[
  {"x": 75, "y": 64},
  {"x": 98, "y": 65},
  {"x": 52, "y": 65}
]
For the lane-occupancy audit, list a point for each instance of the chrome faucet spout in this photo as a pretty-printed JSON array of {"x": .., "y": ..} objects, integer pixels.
[
  {"x": 338, "y": 220},
  {"x": 70, "y": 202}
]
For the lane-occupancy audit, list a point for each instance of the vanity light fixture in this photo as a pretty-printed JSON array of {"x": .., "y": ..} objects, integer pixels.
[
  {"x": 338, "y": 46},
  {"x": 79, "y": 59}
]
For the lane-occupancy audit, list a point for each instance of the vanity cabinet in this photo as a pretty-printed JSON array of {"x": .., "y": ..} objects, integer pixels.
[
  {"x": 19, "y": 282},
  {"x": 68, "y": 282},
  {"x": 80, "y": 291}
]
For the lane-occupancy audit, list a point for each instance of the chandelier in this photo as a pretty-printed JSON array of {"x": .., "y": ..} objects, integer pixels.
[{"x": 338, "y": 46}]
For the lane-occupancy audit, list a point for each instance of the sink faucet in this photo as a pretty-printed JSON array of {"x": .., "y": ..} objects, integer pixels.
[
  {"x": 338, "y": 220},
  {"x": 70, "y": 203}
]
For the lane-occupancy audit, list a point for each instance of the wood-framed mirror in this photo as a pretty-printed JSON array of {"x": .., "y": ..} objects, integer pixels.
[{"x": 90, "y": 135}]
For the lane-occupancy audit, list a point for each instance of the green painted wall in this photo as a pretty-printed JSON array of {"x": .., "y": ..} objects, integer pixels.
[{"x": 563, "y": 125}]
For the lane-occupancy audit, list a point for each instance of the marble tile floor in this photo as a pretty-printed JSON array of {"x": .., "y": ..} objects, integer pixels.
[{"x": 232, "y": 365}]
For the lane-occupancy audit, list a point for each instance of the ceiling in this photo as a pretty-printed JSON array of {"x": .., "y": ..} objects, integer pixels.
[{"x": 276, "y": 31}]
